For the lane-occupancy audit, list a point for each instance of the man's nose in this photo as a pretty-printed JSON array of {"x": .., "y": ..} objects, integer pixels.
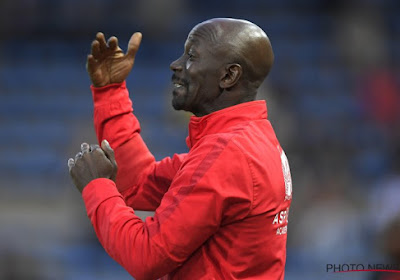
[{"x": 176, "y": 65}]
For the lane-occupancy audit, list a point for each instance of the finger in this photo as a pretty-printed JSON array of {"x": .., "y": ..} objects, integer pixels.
[
  {"x": 85, "y": 148},
  {"x": 134, "y": 44},
  {"x": 108, "y": 151},
  {"x": 102, "y": 41},
  {"x": 90, "y": 63},
  {"x": 113, "y": 43},
  {"x": 78, "y": 156},
  {"x": 93, "y": 147},
  {"x": 113, "y": 46},
  {"x": 98, "y": 154},
  {"x": 71, "y": 163},
  {"x": 96, "y": 49}
]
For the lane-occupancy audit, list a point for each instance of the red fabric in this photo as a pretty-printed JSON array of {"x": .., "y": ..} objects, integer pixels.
[{"x": 220, "y": 210}]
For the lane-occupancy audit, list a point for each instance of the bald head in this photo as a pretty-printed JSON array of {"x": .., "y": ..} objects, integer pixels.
[
  {"x": 240, "y": 41},
  {"x": 224, "y": 62}
]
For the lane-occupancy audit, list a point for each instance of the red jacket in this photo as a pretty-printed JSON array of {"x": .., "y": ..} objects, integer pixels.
[{"x": 221, "y": 211}]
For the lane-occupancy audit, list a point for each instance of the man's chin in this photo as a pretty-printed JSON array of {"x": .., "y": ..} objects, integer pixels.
[
  {"x": 179, "y": 100},
  {"x": 178, "y": 103}
]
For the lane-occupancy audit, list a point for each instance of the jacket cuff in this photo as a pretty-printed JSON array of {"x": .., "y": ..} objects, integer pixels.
[
  {"x": 109, "y": 93},
  {"x": 111, "y": 100},
  {"x": 98, "y": 191}
]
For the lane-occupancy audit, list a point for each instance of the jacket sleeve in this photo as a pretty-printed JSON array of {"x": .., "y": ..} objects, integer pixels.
[
  {"x": 141, "y": 180},
  {"x": 202, "y": 198}
]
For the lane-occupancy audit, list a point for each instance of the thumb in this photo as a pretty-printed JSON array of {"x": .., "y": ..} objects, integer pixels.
[
  {"x": 134, "y": 44},
  {"x": 105, "y": 146}
]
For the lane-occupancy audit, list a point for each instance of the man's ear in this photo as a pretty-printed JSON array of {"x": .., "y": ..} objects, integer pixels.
[{"x": 231, "y": 75}]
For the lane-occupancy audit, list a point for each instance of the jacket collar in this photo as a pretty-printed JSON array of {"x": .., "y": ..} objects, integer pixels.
[{"x": 224, "y": 120}]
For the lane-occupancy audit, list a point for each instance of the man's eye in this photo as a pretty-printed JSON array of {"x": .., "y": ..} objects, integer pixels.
[{"x": 190, "y": 55}]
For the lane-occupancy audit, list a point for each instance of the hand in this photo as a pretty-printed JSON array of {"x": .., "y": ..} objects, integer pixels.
[
  {"x": 92, "y": 162},
  {"x": 107, "y": 64}
]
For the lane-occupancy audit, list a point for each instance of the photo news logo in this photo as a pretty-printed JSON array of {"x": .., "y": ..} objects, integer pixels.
[{"x": 352, "y": 267}]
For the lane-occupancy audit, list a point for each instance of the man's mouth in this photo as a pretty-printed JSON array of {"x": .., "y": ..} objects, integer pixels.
[{"x": 178, "y": 85}]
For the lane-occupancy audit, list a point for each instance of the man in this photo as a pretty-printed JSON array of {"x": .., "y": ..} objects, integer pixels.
[{"x": 221, "y": 210}]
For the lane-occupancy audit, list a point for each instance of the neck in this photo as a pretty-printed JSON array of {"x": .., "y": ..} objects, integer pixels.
[{"x": 222, "y": 103}]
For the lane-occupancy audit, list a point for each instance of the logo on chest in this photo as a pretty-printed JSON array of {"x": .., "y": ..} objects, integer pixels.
[{"x": 286, "y": 175}]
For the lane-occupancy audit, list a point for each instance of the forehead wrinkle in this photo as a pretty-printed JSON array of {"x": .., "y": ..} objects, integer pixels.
[{"x": 208, "y": 32}]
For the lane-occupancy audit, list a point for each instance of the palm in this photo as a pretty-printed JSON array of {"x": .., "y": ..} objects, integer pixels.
[
  {"x": 111, "y": 70},
  {"x": 107, "y": 63}
]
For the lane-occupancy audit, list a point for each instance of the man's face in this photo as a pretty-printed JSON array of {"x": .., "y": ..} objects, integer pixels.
[{"x": 196, "y": 74}]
